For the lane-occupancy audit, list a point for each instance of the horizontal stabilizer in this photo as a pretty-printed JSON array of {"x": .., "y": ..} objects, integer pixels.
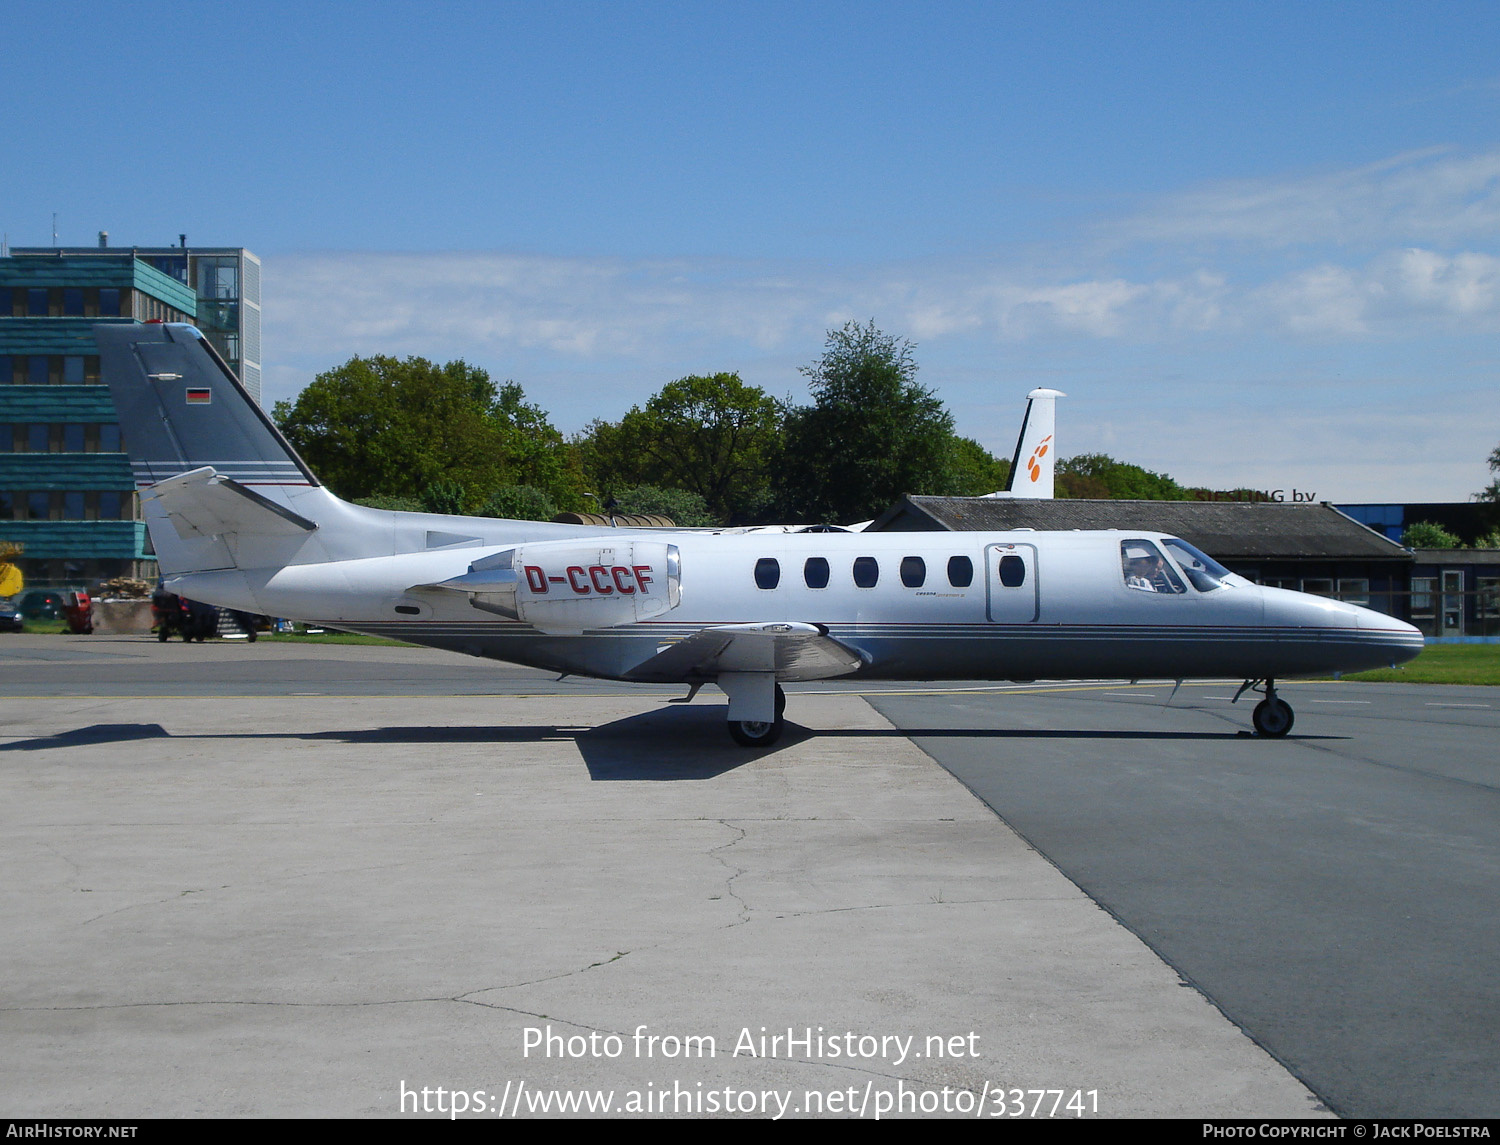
[
  {"x": 201, "y": 503},
  {"x": 791, "y": 651}
]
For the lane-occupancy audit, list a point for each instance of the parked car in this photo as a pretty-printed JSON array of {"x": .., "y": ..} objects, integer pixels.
[
  {"x": 178, "y": 616},
  {"x": 40, "y": 604},
  {"x": 71, "y": 605},
  {"x": 10, "y": 615}
]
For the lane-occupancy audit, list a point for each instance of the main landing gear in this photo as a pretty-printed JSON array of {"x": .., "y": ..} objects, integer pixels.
[
  {"x": 1273, "y": 716},
  {"x": 760, "y": 733}
]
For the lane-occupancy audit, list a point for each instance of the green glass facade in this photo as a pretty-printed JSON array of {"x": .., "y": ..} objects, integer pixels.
[{"x": 66, "y": 492}]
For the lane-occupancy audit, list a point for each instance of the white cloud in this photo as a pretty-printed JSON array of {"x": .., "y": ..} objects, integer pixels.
[
  {"x": 1430, "y": 196},
  {"x": 1394, "y": 260}
]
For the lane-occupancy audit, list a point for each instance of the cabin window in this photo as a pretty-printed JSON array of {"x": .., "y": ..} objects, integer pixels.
[
  {"x": 1206, "y": 573},
  {"x": 815, "y": 572},
  {"x": 913, "y": 572},
  {"x": 767, "y": 572},
  {"x": 1012, "y": 571},
  {"x": 1145, "y": 570},
  {"x": 960, "y": 572},
  {"x": 866, "y": 572}
]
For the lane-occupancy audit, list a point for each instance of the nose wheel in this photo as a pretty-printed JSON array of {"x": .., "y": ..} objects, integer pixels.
[{"x": 1273, "y": 716}]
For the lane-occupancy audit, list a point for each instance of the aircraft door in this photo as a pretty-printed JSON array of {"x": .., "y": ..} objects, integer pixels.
[{"x": 1012, "y": 594}]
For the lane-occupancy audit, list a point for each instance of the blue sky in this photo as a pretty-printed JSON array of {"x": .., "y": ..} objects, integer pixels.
[{"x": 1256, "y": 243}]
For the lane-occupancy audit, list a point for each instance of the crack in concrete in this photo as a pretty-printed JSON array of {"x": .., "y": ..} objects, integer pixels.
[{"x": 735, "y": 872}]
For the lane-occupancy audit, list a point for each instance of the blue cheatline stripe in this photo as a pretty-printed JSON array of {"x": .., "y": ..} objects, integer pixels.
[{"x": 1027, "y": 633}]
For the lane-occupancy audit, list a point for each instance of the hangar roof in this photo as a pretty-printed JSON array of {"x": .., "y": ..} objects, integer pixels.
[{"x": 1229, "y": 530}]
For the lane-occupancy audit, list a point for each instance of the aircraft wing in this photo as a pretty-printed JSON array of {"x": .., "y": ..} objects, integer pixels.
[
  {"x": 793, "y": 651},
  {"x": 201, "y": 503}
]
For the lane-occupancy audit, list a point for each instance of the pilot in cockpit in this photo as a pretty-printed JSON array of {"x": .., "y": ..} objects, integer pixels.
[{"x": 1144, "y": 570}]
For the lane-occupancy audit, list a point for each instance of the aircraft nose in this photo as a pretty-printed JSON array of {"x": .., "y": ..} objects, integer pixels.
[{"x": 1402, "y": 640}]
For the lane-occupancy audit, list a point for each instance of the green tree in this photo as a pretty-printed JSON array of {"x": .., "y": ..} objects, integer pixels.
[
  {"x": 447, "y": 497},
  {"x": 683, "y": 506},
  {"x": 871, "y": 435},
  {"x": 521, "y": 503},
  {"x": 714, "y": 436},
  {"x": 389, "y": 503},
  {"x": 1098, "y": 476},
  {"x": 388, "y": 427},
  {"x": 974, "y": 470},
  {"x": 1491, "y": 492},
  {"x": 1426, "y": 535}
]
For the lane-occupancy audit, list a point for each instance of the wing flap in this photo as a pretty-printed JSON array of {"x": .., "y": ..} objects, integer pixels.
[{"x": 793, "y": 651}]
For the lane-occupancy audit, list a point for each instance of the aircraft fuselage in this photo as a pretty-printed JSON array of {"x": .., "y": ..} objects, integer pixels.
[{"x": 911, "y": 605}]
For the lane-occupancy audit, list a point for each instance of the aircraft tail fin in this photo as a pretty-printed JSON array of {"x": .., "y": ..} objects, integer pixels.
[
  {"x": 222, "y": 490},
  {"x": 219, "y": 484},
  {"x": 1031, "y": 469},
  {"x": 181, "y": 408}
]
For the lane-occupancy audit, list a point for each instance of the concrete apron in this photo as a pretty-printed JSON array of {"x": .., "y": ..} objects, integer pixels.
[{"x": 286, "y": 907}]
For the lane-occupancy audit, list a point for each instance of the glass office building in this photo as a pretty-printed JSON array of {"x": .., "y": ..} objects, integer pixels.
[{"x": 66, "y": 492}]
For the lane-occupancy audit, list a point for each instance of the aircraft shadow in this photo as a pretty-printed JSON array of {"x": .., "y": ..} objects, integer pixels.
[
  {"x": 689, "y": 743},
  {"x": 660, "y": 745},
  {"x": 93, "y": 734},
  {"x": 1053, "y": 733}
]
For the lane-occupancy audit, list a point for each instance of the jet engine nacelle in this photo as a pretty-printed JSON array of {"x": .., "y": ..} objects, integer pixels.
[{"x": 570, "y": 586}]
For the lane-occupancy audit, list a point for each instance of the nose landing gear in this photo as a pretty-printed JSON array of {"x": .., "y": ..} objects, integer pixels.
[{"x": 1273, "y": 716}]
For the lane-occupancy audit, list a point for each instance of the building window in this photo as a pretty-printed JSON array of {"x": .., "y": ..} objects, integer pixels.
[
  {"x": 36, "y": 370},
  {"x": 1354, "y": 590},
  {"x": 767, "y": 573},
  {"x": 72, "y": 374},
  {"x": 1422, "y": 589},
  {"x": 38, "y": 438},
  {"x": 913, "y": 572},
  {"x": 218, "y": 278},
  {"x": 37, "y": 506},
  {"x": 815, "y": 572},
  {"x": 109, "y": 302},
  {"x": 72, "y": 306},
  {"x": 866, "y": 572},
  {"x": 72, "y": 506},
  {"x": 36, "y": 302},
  {"x": 1318, "y": 586},
  {"x": 73, "y": 438}
]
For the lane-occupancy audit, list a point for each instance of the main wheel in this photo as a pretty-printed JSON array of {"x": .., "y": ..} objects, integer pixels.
[
  {"x": 1272, "y": 718},
  {"x": 756, "y": 733},
  {"x": 780, "y": 703}
]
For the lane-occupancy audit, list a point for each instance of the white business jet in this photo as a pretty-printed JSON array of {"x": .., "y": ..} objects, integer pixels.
[{"x": 238, "y": 520}]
